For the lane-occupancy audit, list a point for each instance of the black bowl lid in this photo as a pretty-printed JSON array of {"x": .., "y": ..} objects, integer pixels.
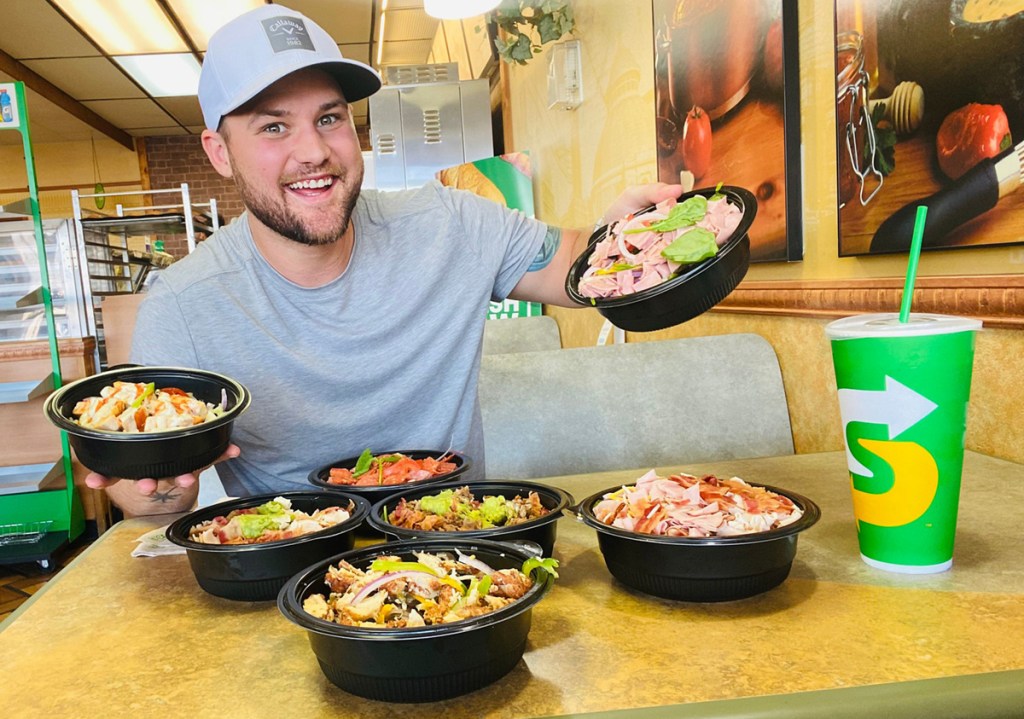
[
  {"x": 291, "y": 596},
  {"x": 178, "y": 531},
  {"x": 811, "y": 514},
  {"x": 736, "y": 195},
  {"x": 77, "y": 390}
]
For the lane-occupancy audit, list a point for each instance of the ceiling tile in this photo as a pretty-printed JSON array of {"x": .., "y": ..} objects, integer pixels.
[
  {"x": 32, "y": 29},
  {"x": 409, "y": 25},
  {"x": 48, "y": 122},
  {"x": 356, "y": 51},
  {"x": 131, "y": 114},
  {"x": 408, "y": 52},
  {"x": 346, "y": 21},
  {"x": 184, "y": 109},
  {"x": 38, "y": 35},
  {"x": 87, "y": 78},
  {"x": 201, "y": 18}
]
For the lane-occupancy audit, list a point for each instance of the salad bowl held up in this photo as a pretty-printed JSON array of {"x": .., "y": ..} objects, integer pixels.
[
  {"x": 699, "y": 569},
  {"x": 421, "y": 663},
  {"x": 167, "y": 453},
  {"x": 256, "y": 572},
  {"x": 542, "y": 529},
  {"x": 691, "y": 290}
]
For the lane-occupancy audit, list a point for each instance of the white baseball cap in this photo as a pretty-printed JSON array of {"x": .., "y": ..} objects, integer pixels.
[{"x": 258, "y": 48}]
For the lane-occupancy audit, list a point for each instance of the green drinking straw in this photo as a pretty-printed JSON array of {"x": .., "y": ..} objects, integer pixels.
[{"x": 912, "y": 260}]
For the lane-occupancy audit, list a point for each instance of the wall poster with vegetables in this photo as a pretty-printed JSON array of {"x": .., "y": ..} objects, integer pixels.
[
  {"x": 930, "y": 110},
  {"x": 728, "y": 101}
]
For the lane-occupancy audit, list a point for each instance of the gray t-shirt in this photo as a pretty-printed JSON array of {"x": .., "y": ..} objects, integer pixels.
[{"x": 386, "y": 356}]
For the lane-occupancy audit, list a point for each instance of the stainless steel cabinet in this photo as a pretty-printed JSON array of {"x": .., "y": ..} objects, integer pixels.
[{"x": 419, "y": 128}]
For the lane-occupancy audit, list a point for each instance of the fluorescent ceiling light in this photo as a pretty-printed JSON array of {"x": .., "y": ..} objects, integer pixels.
[
  {"x": 163, "y": 75},
  {"x": 380, "y": 36},
  {"x": 125, "y": 27},
  {"x": 202, "y": 18},
  {"x": 458, "y": 9}
]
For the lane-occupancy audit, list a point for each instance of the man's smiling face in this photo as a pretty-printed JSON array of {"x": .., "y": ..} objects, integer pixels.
[{"x": 295, "y": 157}]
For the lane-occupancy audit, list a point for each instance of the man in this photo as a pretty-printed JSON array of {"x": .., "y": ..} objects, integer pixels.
[{"x": 354, "y": 318}]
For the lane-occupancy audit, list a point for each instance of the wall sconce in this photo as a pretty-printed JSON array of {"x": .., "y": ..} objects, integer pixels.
[{"x": 565, "y": 76}]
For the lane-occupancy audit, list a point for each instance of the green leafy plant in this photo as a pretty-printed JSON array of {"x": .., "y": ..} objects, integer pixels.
[
  {"x": 529, "y": 24},
  {"x": 885, "y": 142}
]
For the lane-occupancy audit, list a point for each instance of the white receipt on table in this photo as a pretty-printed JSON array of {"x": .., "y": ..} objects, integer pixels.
[{"x": 154, "y": 543}]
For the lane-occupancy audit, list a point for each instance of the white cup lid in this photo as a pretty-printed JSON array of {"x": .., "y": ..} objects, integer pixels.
[{"x": 887, "y": 324}]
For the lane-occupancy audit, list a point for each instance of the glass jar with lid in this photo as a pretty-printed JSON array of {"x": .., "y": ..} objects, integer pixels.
[{"x": 854, "y": 130}]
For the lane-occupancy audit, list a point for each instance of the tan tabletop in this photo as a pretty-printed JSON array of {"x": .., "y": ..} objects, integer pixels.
[{"x": 114, "y": 635}]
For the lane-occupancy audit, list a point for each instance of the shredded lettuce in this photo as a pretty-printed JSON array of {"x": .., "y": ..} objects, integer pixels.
[
  {"x": 252, "y": 525},
  {"x": 275, "y": 506}
]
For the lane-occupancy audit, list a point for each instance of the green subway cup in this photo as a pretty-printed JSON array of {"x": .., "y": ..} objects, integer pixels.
[{"x": 903, "y": 390}]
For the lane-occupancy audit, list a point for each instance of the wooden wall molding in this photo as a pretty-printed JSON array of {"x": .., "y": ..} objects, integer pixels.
[{"x": 997, "y": 300}]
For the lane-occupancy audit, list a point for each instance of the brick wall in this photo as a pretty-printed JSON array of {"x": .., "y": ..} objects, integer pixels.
[{"x": 175, "y": 159}]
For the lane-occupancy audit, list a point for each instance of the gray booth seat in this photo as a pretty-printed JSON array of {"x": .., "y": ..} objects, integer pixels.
[
  {"x": 634, "y": 405},
  {"x": 521, "y": 334}
]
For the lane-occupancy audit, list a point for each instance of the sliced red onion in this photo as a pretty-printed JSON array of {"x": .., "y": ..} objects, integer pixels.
[
  {"x": 473, "y": 562},
  {"x": 223, "y": 399},
  {"x": 385, "y": 578},
  {"x": 620, "y": 241}
]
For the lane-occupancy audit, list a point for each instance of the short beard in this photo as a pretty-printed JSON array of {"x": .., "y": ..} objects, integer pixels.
[{"x": 277, "y": 217}]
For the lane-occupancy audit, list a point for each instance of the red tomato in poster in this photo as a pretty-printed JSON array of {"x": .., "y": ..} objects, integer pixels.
[
  {"x": 969, "y": 135},
  {"x": 696, "y": 143}
]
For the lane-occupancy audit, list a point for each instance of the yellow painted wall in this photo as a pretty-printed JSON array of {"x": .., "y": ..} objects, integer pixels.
[
  {"x": 584, "y": 157},
  {"x": 63, "y": 164}
]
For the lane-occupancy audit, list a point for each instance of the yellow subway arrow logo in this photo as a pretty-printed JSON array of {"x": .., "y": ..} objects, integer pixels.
[
  {"x": 915, "y": 481},
  {"x": 897, "y": 406}
]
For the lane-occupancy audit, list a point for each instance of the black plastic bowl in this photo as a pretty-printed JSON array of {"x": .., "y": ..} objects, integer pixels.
[
  {"x": 420, "y": 664},
  {"x": 375, "y": 493},
  {"x": 706, "y": 569},
  {"x": 256, "y": 572},
  {"x": 696, "y": 289},
  {"x": 150, "y": 454},
  {"x": 541, "y": 530}
]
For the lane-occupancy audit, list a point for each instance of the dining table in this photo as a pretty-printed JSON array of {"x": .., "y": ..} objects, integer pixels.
[{"x": 116, "y": 635}]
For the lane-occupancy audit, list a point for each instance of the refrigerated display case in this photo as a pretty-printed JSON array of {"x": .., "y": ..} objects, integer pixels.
[{"x": 22, "y": 311}]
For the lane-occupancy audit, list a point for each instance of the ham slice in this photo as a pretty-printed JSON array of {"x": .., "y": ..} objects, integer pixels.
[{"x": 683, "y": 505}]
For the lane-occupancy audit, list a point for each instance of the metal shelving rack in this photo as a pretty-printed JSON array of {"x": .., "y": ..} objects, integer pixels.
[
  {"x": 109, "y": 266},
  {"x": 34, "y": 523}
]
